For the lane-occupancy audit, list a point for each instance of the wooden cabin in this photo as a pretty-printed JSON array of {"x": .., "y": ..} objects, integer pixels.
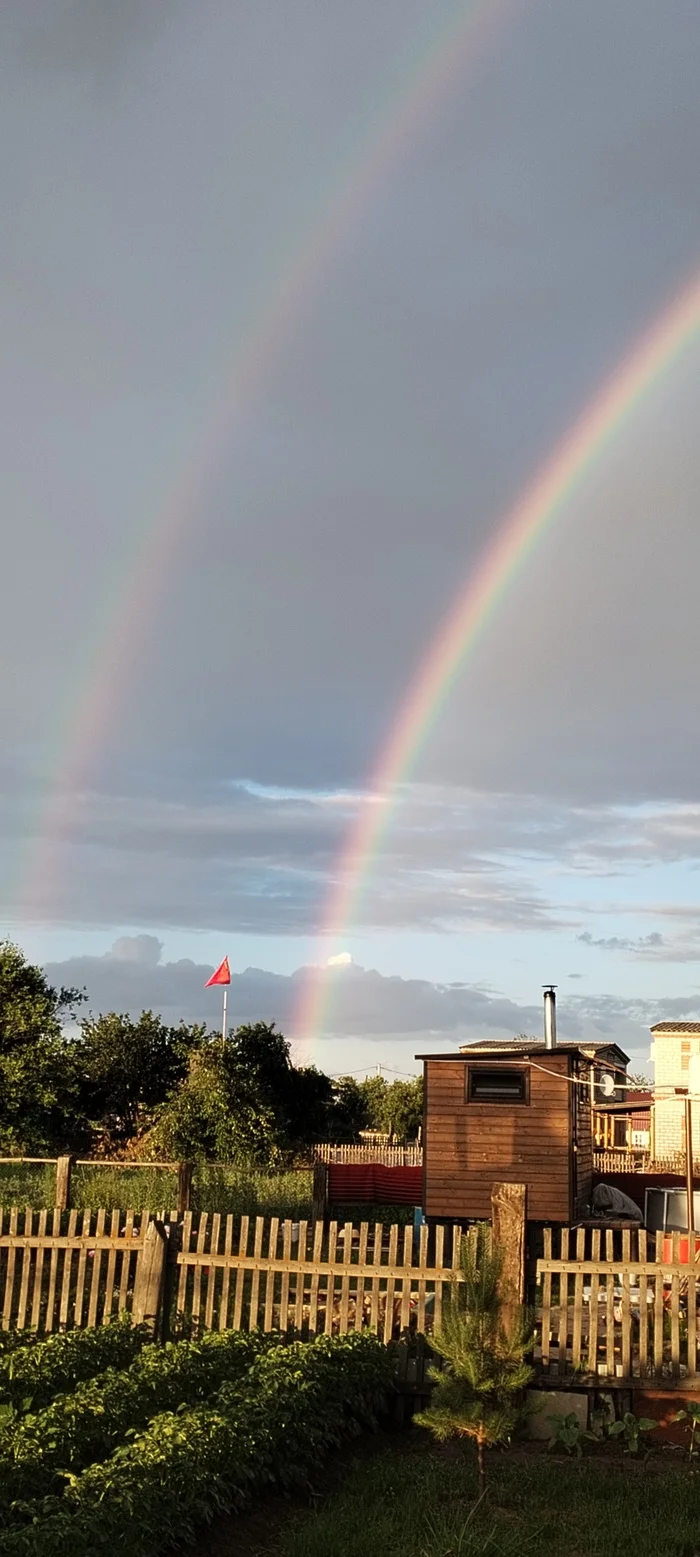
[{"x": 513, "y": 1112}]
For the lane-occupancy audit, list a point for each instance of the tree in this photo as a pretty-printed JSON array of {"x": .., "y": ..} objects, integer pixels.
[
  {"x": 128, "y": 1068},
  {"x": 347, "y": 1113},
  {"x": 477, "y": 1394},
  {"x": 395, "y": 1108},
  {"x": 40, "y": 1107},
  {"x": 236, "y": 1104},
  {"x": 374, "y": 1090},
  {"x": 639, "y": 1082},
  {"x": 31, "y": 1010},
  {"x": 404, "y": 1108}
]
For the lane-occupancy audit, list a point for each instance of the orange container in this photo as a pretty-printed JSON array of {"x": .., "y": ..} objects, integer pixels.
[{"x": 683, "y": 1243}]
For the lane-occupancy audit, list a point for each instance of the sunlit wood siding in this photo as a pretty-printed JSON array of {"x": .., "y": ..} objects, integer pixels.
[{"x": 469, "y": 1146}]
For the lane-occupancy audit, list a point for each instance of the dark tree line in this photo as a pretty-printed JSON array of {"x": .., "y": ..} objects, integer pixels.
[{"x": 114, "y": 1086}]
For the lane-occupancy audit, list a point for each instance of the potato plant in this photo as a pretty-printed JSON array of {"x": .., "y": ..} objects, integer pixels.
[
  {"x": 43, "y": 1368},
  {"x": 272, "y": 1427},
  {"x": 78, "y": 1428}
]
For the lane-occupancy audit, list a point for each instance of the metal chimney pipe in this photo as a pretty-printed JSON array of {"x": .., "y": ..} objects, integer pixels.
[{"x": 550, "y": 1018}]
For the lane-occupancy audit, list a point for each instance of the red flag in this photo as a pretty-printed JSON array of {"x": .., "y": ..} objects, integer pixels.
[{"x": 222, "y": 975}]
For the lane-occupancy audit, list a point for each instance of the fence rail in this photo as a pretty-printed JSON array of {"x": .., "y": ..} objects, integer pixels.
[
  {"x": 65, "y": 1270},
  {"x": 314, "y": 1279}
]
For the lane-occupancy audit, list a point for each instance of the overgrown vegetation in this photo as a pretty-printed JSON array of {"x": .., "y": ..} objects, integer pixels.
[
  {"x": 35, "y": 1370},
  {"x": 75, "y": 1429}
]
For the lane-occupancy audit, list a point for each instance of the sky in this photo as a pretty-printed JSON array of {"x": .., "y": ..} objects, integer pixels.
[{"x": 294, "y": 302}]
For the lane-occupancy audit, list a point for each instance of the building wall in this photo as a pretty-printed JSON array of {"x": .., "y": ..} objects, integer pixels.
[
  {"x": 583, "y": 1141},
  {"x": 674, "y": 1054},
  {"x": 468, "y": 1147}
]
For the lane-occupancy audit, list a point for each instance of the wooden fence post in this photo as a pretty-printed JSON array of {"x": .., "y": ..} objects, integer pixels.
[
  {"x": 63, "y": 1173},
  {"x": 150, "y": 1274},
  {"x": 508, "y": 1214},
  {"x": 320, "y": 1192},
  {"x": 184, "y": 1187}
]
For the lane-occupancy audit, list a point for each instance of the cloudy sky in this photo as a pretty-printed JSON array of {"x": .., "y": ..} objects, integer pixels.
[{"x": 294, "y": 301}]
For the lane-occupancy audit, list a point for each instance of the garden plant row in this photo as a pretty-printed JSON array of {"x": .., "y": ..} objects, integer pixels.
[
  {"x": 38, "y": 1447},
  {"x": 135, "y": 1458}
]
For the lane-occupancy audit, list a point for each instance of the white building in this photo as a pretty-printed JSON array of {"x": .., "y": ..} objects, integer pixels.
[{"x": 675, "y": 1052}]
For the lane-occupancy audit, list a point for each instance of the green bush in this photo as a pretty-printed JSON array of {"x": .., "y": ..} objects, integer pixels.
[
  {"x": 274, "y": 1427},
  {"x": 48, "y": 1366},
  {"x": 79, "y": 1428}
]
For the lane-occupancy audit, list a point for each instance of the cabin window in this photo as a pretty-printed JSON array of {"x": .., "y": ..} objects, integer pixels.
[{"x": 497, "y": 1084}]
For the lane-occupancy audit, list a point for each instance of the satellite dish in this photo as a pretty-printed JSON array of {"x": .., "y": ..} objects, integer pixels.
[{"x": 607, "y": 1084}]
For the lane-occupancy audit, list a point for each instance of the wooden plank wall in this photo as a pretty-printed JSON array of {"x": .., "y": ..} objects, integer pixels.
[
  {"x": 468, "y": 1146},
  {"x": 583, "y": 1136},
  {"x": 616, "y": 1305}
]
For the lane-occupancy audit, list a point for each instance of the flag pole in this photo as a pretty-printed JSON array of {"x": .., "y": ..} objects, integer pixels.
[{"x": 223, "y": 1017}]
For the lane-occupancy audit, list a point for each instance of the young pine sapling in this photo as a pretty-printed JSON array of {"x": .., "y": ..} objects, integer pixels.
[{"x": 484, "y": 1338}]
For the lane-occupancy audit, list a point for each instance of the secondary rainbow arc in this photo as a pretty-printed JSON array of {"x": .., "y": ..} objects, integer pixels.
[{"x": 126, "y": 614}]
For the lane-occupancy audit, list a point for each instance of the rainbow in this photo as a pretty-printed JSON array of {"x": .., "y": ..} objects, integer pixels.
[
  {"x": 518, "y": 536},
  {"x": 433, "y": 72}
]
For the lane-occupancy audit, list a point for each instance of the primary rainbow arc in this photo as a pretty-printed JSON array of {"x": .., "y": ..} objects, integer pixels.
[{"x": 517, "y": 537}]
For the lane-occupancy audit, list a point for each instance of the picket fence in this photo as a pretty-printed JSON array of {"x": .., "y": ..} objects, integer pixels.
[
  {"x": 619, "y": 1306},
  {"x": 388, "y": 1156},
  {"x": 637, "y": 1159},
  {"x": 59, "y": 1270}
]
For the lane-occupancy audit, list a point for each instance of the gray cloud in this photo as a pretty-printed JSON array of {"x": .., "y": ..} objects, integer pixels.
[
  {"x": 364, "y": 1005},
  {"x": 131, "y": 977},
  {"x": 641, "y": 945},
  {"x": 239, "y": 856}
]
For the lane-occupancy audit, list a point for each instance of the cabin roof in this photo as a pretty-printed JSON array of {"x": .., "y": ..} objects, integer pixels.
[{"x": 509, "y": 1048}]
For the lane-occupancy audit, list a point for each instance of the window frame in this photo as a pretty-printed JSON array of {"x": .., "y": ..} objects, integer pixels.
[{"x": 522, "y": 1071}]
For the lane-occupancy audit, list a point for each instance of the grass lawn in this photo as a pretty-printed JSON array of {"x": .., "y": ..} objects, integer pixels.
[{"x": 401, "y": 1496}]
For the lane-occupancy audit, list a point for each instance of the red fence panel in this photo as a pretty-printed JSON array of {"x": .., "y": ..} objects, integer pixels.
[{"x": 349, "y": 1182}]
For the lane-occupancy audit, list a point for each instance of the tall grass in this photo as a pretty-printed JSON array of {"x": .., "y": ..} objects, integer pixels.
[
  {"x": 245, "y": 1192},
  {"x": 28, "y": 1184},
  {"x": 134, "y": 1189},
  {"x": 216, "y": 1187},
  {"x": 414, "y": 1500}
]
